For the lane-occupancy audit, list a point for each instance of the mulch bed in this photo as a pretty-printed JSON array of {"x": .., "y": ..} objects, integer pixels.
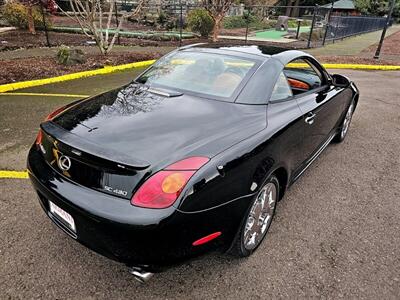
[
  {"x": 234, "y": 32},
  {"x": 17, "y": 39},
  {"x": 391, "y": 45},
  {"x": 44, "y": 67},
  {"x": 355, "y": 60},
  {"x": 58, "y": 20}
]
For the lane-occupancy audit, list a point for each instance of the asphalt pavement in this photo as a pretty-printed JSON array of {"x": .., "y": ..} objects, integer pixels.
[{"x": 336, "y": 233}]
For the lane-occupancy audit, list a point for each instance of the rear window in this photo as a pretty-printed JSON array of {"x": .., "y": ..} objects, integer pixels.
[{"x": 210, "y": 74}]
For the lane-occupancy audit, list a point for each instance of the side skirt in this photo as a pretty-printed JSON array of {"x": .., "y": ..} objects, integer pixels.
[{"x": 314, "y": 157}]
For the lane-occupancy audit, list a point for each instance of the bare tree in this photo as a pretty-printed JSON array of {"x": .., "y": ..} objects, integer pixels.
[
  {"x": 96, "y": 23},
  {"x": 217, "y": 10},
  {"x": 30, "y": 4}
]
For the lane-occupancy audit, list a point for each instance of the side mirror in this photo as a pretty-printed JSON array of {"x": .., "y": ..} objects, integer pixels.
[{"x": 340, "y": 80}]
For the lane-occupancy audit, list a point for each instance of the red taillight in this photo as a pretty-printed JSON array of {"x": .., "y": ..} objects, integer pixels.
[
  {"x": 207, "y": 238},
  {"x": 163, "y": 188}
]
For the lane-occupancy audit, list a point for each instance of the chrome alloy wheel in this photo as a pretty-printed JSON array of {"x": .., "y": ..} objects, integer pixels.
[
  {"x": 260, "y": 216},
  {"x": 347, "y": 120}
]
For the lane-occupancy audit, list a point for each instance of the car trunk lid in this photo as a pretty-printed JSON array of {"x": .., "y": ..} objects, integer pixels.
[{"x": 89, "y": 164}]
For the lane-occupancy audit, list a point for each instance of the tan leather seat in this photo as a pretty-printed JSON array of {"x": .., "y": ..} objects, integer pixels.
[{"x": 226, "y": 82}]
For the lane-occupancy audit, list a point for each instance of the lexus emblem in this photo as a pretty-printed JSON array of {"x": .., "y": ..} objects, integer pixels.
[{"x": 64, "y": 163}]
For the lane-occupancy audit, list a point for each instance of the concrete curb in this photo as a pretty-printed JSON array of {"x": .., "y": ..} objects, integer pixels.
[{"x": 106, "y": 70}]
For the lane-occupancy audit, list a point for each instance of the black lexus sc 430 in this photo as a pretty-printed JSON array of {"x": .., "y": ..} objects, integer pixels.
[{"x": 191, "y": 156}]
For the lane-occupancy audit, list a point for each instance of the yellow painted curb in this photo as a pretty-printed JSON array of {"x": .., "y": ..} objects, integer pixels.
[
  {"x": 362, "y": 67},
  {"x": 106, "y": 70},
  {"x": 14, "y": 174},
  {"x": 350, "y": 66}
]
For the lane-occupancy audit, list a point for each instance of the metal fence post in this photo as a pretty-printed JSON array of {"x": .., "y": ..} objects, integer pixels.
[
  {"x": 328, "y": 24},
  {"x": 45, "y": 25},
  {"x": 312, "y": 27},
  {"x": 247, "y": 26},
  {"x": 336, "y": 29},
  {"x": 298, "y": 28},
  {"x": 378, "y": 50}
]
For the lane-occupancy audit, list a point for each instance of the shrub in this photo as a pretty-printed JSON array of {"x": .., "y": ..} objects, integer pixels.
[
  {"x": 292, "y": 23},
  {"x": 16, "y": 15},
  {"x": 255, "y": 23},
  {"x": 268, "y": 24},
  {"x": 162, "y": 18},
  {"x": 234, "y": 22},
  {"x": 316, "y": 35},
  {"x": 67, "y": 56},
  {"x": 200, "y": 21}
]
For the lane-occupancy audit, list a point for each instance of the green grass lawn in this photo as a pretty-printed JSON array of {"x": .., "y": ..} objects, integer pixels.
[{"x": 273, "y": 34}]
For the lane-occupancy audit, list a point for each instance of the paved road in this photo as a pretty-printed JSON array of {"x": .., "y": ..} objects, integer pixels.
[{"x": 336, "y": 234}]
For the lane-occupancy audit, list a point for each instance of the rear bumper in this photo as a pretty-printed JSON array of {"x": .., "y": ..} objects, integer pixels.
[{"x": 111, "y": 226}]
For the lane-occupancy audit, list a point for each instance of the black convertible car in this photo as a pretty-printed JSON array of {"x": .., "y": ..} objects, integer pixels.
[{"x": 192, "y": 156}]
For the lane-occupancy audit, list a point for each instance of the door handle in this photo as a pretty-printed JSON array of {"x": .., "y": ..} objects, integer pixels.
[{"x": 310, "y": 118}]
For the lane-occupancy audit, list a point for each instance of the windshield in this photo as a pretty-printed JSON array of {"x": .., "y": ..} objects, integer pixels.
[{"x": 211, "y": 74}]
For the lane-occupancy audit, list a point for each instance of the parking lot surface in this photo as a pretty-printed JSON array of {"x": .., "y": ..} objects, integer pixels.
[{"x": 336, "y": 233}]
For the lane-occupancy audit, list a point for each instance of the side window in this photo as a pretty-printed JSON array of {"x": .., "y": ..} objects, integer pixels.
[
  {"x": 281, "y": 89},
  {"x": 302, "y": 76}
]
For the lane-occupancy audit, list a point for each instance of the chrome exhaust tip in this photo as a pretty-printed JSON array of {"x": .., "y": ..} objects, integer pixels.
[{"x": 140, "y": 275}]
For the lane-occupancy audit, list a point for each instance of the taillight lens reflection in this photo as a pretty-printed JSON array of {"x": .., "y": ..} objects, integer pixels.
[
  {"x": 163, "y": 188},
  {"x": 39, "y": 137},
  {"x": 49, "y": 117},
  {"x": 52, "y": 115}
]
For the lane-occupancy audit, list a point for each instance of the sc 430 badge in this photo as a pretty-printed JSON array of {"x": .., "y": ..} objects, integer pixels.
[{"x": 115, "y": 191}]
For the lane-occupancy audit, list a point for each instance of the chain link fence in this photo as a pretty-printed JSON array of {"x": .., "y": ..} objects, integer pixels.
[
  {"x": 340, "y": 27},
  {"x": 308, "y": 26}
]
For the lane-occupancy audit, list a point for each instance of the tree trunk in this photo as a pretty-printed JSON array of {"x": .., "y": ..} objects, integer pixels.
[
  {"x": 31, "y": 23},
  {"x": 217, "y": 27},
  {"x": 289, "y": 9},
  {"x": 295, "y": 12}
]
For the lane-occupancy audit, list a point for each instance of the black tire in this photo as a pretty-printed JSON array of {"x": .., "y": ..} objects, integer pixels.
[
  {"x": 343, "y": 128},
  {"x": 238, "y": 246}
]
